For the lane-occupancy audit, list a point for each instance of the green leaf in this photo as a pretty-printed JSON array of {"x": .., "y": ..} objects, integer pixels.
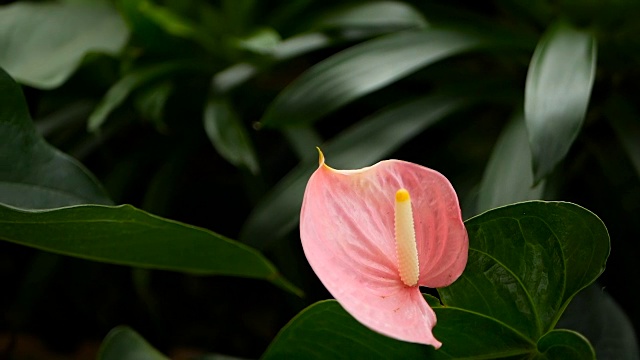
[
  {"x": 119, "y": 91},
  {"x": 228, "y": 135},
  {"x": 123, "y": 343},
  {"x": 262, "y": 41},
  {"x": 361, "y": 145},
  {"x": 33, "y": 174},
  {"x": 325, "y": 330},
  {"x": 566, "y": 345},
  {"x": 527, "y": 261},
  {"x": 43, "y": 43},
  {"x": 508, "y": 177},
  {"x": 558, "y": 87},
  {"x": 301, "y": 44},
  {"x": 361, "y": 70},
  {"x": 125, "y": 235},
  {"x": 378, "y": 14},
  {"x": 151, "y": 101},
  {"x": 600, "y": 319}
]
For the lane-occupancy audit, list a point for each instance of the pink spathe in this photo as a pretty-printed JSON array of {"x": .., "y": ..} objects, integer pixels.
[{"x": 347, "y": 232}]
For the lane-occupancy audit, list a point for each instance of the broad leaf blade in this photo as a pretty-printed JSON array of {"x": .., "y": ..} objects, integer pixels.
[
  {"x": 228, "y": 135},
  {"x": 123, "y": 343},
  {"x": 33, "y": 174},
  {"x": 558, "y": 87},
  {"x": 362, "y": 145},
  {"x": 508, "y": 177},
  {"x": 125, "y": 235},
  {"x": 361, "y": 70},
  {"x": 43, "y": 43},
  {"x": 325, "y": 330},
  {"x": 527, "y": 261}
]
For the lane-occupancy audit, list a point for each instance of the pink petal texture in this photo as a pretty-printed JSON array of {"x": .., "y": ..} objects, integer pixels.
[{"x": 347, "y": 233}]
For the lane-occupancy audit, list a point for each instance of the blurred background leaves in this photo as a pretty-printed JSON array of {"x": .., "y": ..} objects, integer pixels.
[{"x": 209, "y": 112}]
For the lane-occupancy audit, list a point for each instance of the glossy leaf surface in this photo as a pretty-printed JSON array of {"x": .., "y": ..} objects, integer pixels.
[
  {"x": 527, "y": 261},
  {"x": 33, "y": 174},
  {"x": 557, "y": 93},
  {"x": 325, "y": 330},
  {"x": 43, "y": 43},
  {"x": 125, "y": 235},
  {"x": 361, "y": 70}
]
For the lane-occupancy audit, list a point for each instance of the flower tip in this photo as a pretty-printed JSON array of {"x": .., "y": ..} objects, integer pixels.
[
  {"x": 320, "y": 157},
  {"x": 402, "y": 195}
]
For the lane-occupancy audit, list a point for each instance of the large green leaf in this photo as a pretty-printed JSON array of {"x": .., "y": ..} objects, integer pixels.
[
  {"x": 557, "y": 93},
  {"x": 43, "y": 43},
  {"x": 508, "y": 177},
  {"x": 527, "y": 261},
  {"x": 361, "y": 145},
  {"x": 123, "y": 343},
  {"x": 33, "y": 174},
  {"x": 128, "y": 236},
  {"x": 361, "y": 70},
  {"x": 325, "y": 330}
]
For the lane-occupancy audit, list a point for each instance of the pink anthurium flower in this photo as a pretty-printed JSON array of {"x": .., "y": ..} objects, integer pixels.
[{"x": 375, "y": 235}]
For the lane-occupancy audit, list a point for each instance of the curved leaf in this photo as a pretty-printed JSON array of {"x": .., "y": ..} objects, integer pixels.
[
  {"x": 527, "y": 261},
  {"x": 125, "y": 235},
  {"x": 43, "y": 43},
  {"x": 566, "y": 345},
  {"x": 119, "y": 91},
  {"x": 378, "y": 14},
  {"x": 228, "y": 135},
  {"x": 361, "y": 70},
  {"x": 595, "y": 314},
  {"x": 557, "y": 92},
  {"x": 363, "y": 144},
  {"x": 33, "y": 174},
  {"x": 508, "y": 177},
  {"x": 325, "y": 330},
  {"x": 123, "y": 343}
]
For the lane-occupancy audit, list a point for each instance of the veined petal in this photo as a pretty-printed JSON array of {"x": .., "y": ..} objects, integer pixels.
[{"x": 347, "y": 232}]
